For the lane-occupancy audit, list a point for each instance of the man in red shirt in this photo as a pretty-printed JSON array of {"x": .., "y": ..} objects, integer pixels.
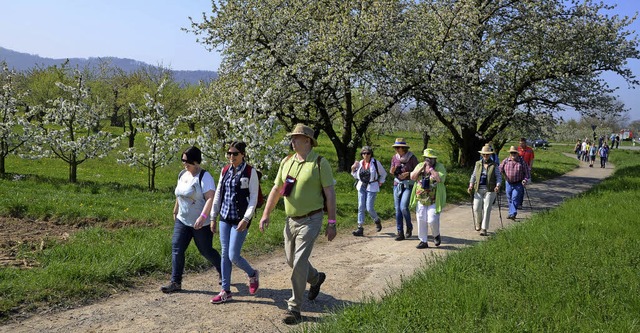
[{"x": 526, "y": 153}]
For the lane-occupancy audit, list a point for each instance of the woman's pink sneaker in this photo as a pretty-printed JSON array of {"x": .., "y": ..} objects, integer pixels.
[
  {"x": 222, "y": 297},
  {"x": 254, "y": 283}
]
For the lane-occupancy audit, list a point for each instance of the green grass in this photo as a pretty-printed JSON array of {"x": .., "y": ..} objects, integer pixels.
[
  {"x": 573, "y": 269},
  {"x": 101, "y": 259}
]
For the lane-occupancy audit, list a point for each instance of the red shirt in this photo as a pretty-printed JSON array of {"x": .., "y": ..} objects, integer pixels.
[{"x": 527, "y": 155}]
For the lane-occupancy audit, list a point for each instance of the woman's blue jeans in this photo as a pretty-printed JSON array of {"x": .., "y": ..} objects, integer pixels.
[
  {"x": 401, "y": 197},
  {"x": 366, "y": 201},
  {"x": 231, "y": 244},
  {"x": 182, "y": 235}
]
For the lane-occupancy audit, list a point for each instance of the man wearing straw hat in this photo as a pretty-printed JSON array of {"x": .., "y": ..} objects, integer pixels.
[
  {"x": 402, "y": 163},
  {"x": 302, "y": 179},
  {"x": 516, "y": 174},
  {"x": 485, "y": 182}
]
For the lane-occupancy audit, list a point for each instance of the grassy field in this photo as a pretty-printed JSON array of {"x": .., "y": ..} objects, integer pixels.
[
  {"x": 573, "y": 269},
  {"x": 101, "y": 258}
]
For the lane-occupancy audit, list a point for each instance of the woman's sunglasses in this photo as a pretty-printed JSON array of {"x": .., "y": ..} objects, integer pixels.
[
  {"x": 365, "y": 153},
  {"x": 234, "y": 153},
  {"x": 186, "y": 161}
]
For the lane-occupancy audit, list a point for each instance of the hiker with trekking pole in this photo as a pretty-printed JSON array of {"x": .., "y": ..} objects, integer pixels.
[
  {"x": 516, "y": 173},
  {"x": 484, "y": 185}
]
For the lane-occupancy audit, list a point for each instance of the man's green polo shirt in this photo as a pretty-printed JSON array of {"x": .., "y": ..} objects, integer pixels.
[{"x": 306, "y": 195}]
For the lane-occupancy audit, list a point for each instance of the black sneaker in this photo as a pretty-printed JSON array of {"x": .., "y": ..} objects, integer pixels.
[
  {"x": 378, "y": 226},
  {"x": 315, "y": 289},
  {"x": 422, "y": 245},
  {"x": 171, "y": 287},
  {"x": 437, "y": 240},
  {"x": 400, "y": 236},
  {"x": 408, "y": 233},
  {"x": 359, "y": 232},
  {"x": 292, "y": 317}
]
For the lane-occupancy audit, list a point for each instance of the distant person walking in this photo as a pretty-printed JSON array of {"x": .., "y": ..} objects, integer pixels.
[
  {"x": 583, "y": 150},
  {"x": 370, "y": 175},
  {"x": 302, "y": 179},
  {"x": 604, "y": 155},
  {"x": 516, "y": 174},
  {"x": 578, "y": 149},
  {"x": 526, "y": 153},
  {"x": 612, "y": 138},
  {"x": 194, "y": 198},
  {"x": 593, "y": 150},
  {"x": 484, "y": 185},
  {"x": 617, "y": 141},
  {"x": 429, "y": 196},
  {"x": 235, "y": 202},
  {"x": 402, "y": 164}
]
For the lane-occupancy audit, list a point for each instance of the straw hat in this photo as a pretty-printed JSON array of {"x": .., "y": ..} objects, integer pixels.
[
  {"x": 400, "y": 143},
  {"x": 486, "y": 149},
  {"x": 429, "y": 153},
  {"x": 302, "y": 129},
  {"x": 513, "y": 149}
]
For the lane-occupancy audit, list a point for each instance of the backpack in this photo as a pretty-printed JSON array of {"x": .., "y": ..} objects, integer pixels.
[
  {"x": 202, "y": 171},
  {"x": 247, "y": 173}
]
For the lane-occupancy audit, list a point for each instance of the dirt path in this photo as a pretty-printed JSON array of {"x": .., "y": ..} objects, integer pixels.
[{"x": 356, "y": 267}]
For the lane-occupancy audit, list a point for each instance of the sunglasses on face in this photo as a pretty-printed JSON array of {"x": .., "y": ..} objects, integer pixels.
[
  {"x": 186, "y": 161},
  {"x": 234, "y": 153},
  {"x": 365, "y": 153}
]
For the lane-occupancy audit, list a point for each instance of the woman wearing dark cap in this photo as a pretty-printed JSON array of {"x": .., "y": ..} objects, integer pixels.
[
  {"x": 194, "y": 198},
  {"x": 370, "y": 175},
  {"x": 235, "y": 202}
]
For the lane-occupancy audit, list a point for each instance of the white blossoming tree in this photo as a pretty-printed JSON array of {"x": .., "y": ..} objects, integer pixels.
[
  {"x": 312, "y": 62},
  {"x": 486, "y": 66},
  {"x": 72, "y": 127},
  {"x": 161, "y": 145},
  {"x": 15, "y": 130},
  {"x": 226, "y": 115}
]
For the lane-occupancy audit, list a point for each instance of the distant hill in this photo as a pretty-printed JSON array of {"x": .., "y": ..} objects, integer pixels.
[{"x": 19, "y": 61}]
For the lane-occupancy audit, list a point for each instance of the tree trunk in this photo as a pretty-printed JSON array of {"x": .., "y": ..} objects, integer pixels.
[
  {"x": 2, "y": 170},
  {"x": 152, "y": 180},
  {"x": 73, "y": 170},
  {"x": 425, "y": 140},
  {"x": 469, "y": 148}
]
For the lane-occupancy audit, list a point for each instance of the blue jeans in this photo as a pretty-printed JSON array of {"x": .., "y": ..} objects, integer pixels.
[
  {"x": 182, "y": 235},
  {"x": 401, "y": 197},
  {"x": 231, "y": 244},
  {"x": 515, "y": 195},
  {"x": 366, "y": 201}
]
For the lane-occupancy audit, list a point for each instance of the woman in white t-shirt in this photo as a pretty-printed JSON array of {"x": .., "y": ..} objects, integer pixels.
[{"x": 194, "y": 198}]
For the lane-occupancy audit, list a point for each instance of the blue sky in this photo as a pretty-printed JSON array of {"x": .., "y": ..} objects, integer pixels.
[{"x": 149, "y": 31}]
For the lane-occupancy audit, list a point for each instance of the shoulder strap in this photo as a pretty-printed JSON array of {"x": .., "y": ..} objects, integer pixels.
[
  {"x": 375, "y": 164},
  {"x": 247, "y": 170},
  {"x": 202, "y": 172},
  {"x": 181, "y": 173}
]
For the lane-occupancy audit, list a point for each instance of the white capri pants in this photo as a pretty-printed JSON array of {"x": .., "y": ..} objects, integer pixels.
[{"x": 424, "y": 215}]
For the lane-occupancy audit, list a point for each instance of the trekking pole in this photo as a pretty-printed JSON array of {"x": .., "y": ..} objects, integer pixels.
[
  {"x": 499, "y": 211},
  {"x": 473, "y": 213},
  {"x": 528, "y": 198}
]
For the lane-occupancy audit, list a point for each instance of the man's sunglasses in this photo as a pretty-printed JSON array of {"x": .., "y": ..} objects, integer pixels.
[{"x": 234, "y": 153}]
